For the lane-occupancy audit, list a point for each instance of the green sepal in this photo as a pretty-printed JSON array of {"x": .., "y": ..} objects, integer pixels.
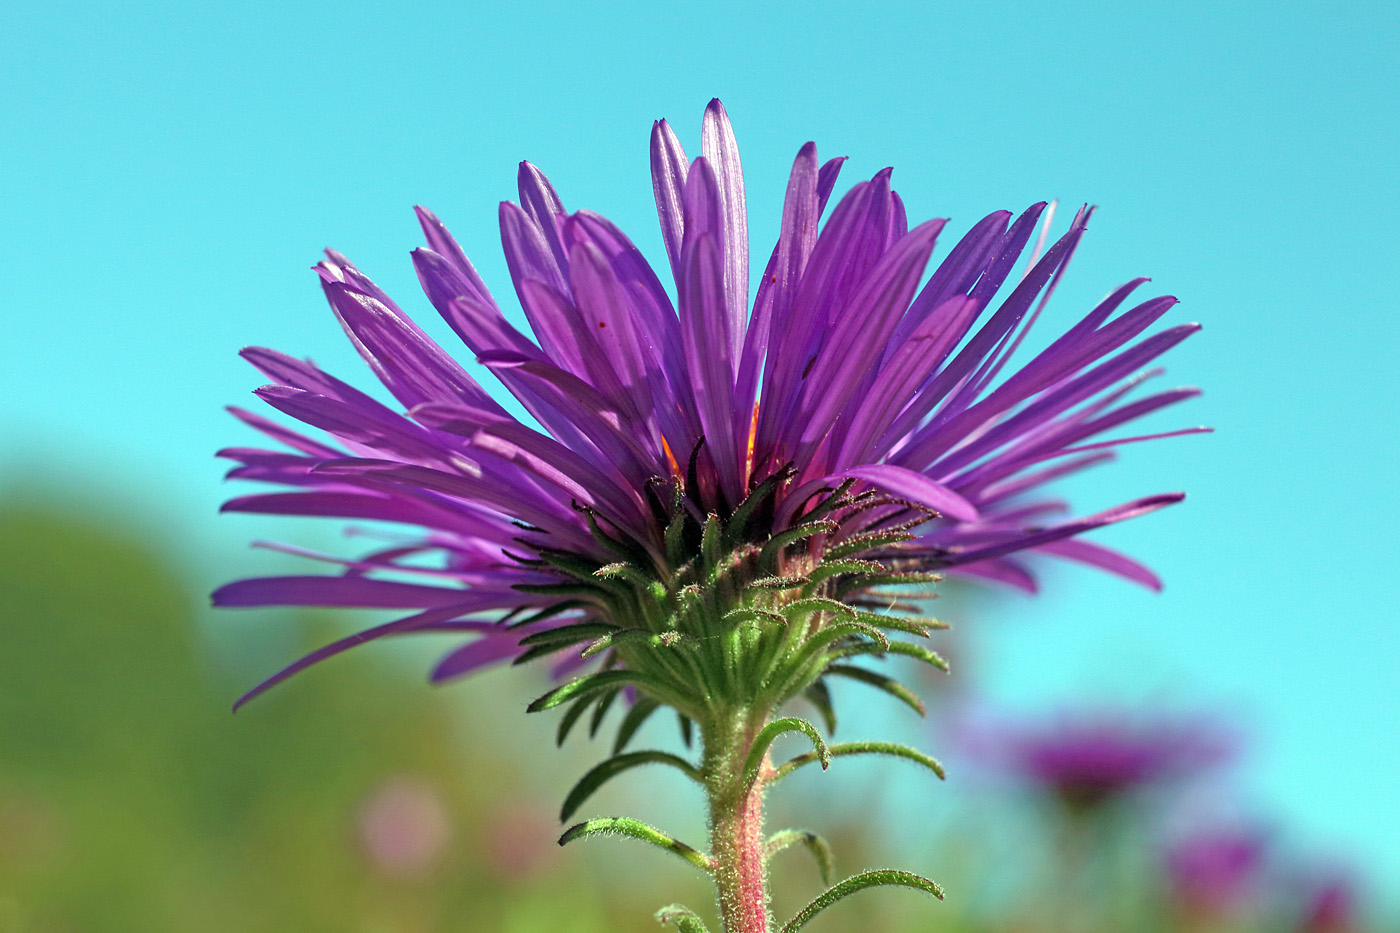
[
  {"x": 548, "y": 611},
  {"x": 842, "y": 749},
  {"x": 869, "y": 879},
  {"x": 785, "y": 539},
  {"x": 738, "y": 520},
  {"x": 571, "y": 716},
  {"x": 675, "y": 537},
  {"x": 592, "y": 683},
  {"x": 866, "y": 541},
  {"x": 685, "y": 919},
  {"x": 711, "y": 547},
  {"x": 894, "y": 623},
  {"x": 637, "y": 715},
  {"x": 820, "y": 697},
  {"x": 735, "y": 616},
  {"x": 568, "y": 634},
  {"x": 780, "y": 583},
  {"x": 831, "y": 503},
  {"x": 831, "y": 568},
  {"x": 600, "y": 710},
  {"x": 601, "y": 537},
  {"x": 810, "y": 604},
  {"x": 610, "y": 768},
  {"x": 881, "y": 682},
  {"x": 621, "y": 826},
  {"x": 819, "y": 847},
  {"x": 765, "y": 738},
  {"x": 931, "y": 658},
  {"x": 629, "y": 636},
  {"x": 622, "y": 570}
]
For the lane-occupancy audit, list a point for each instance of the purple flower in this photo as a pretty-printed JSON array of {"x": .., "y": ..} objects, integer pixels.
[
  {"x": 849, "y": 411},
  {"x": 1085, "y": 761}
]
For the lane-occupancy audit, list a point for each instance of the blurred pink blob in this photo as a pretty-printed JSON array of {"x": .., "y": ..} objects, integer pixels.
[
  {"x": 1332, "y": 908},
  {"x": 1217, "y": 872},
  {"x": 404, "y": 827},
  {"x": 518, "y": 837}
]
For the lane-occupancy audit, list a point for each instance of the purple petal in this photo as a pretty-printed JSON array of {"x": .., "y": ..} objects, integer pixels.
[
  {"x": 542, "y": 205},
  {"x": 490, "y": 648},
  {"x": 916, "y": 487},
  {"x": 721, "y": 151},
  {"x": 669, "y": 168},
  {"x": 1097, "y": 555}
]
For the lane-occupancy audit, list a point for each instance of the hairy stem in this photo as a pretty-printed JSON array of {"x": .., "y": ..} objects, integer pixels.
[{"x": 736, "y": 821}]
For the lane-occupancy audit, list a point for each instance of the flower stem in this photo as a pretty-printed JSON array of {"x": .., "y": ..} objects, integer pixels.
[{"x": 736, "y": 821}]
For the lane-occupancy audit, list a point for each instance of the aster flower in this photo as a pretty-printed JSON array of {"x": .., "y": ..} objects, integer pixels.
[{"x": 708, "y": 497}]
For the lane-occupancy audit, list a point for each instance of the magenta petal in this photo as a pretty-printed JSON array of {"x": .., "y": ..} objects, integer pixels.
[{"x": 916, "y": 487}]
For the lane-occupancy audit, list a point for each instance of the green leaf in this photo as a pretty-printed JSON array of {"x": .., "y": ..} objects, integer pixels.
[
  {"x": 571, "y": 716},
  {"x": 612, "y": 767},
  {"x": 568, "y": 634},
  {"x": 687, "y": 729},
  {"x": 637, "y": 715},
  {"x": 592, "y": 683},
  {"x": 881, "y": 682},
  {"x": 869, "y": 879},
  {"x": 930, "y": 658},
  {"x": 765, "y": 738},
  {"x": 819, "y": 696},
  {"x": 841, "y": 749},
  {"x": 600, "y": 710},
  {"x": 819, "y": 847},
  {"x": 621, "y": 826},
  {"x": 684, "y": 918}
]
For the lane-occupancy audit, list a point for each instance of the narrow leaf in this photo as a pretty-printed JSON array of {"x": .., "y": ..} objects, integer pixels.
[
  {"x": 621, "y": 826},
  {"x": 841, "y": 749},
  {"x": 770, "y": 732},
  {"x": 869, "y": 879}
]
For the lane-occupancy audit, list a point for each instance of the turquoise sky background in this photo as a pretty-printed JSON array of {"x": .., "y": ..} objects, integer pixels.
[{"x": 168, "y": 174}]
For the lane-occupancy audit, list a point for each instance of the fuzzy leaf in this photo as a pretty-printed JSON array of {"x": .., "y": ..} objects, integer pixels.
[
  {"x": 841, "y": 749},
  {"x": 869, "y": 879},
  {"x": 592, "y": 683},
  {"x": 621, "y": 826},
  {"x": 765, "y": 738}
]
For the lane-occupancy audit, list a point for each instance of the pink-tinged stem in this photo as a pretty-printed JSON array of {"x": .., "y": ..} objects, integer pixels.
[{"x": 736, "y": 824}]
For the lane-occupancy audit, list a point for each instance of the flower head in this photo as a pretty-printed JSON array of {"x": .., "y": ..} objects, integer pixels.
[{"x": 710, "y": 493}]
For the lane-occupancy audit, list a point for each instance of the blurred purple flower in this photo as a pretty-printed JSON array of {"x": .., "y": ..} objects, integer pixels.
[
  {"x": 1088, "y": 760},
  {"x": 843, "y": 370}
]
